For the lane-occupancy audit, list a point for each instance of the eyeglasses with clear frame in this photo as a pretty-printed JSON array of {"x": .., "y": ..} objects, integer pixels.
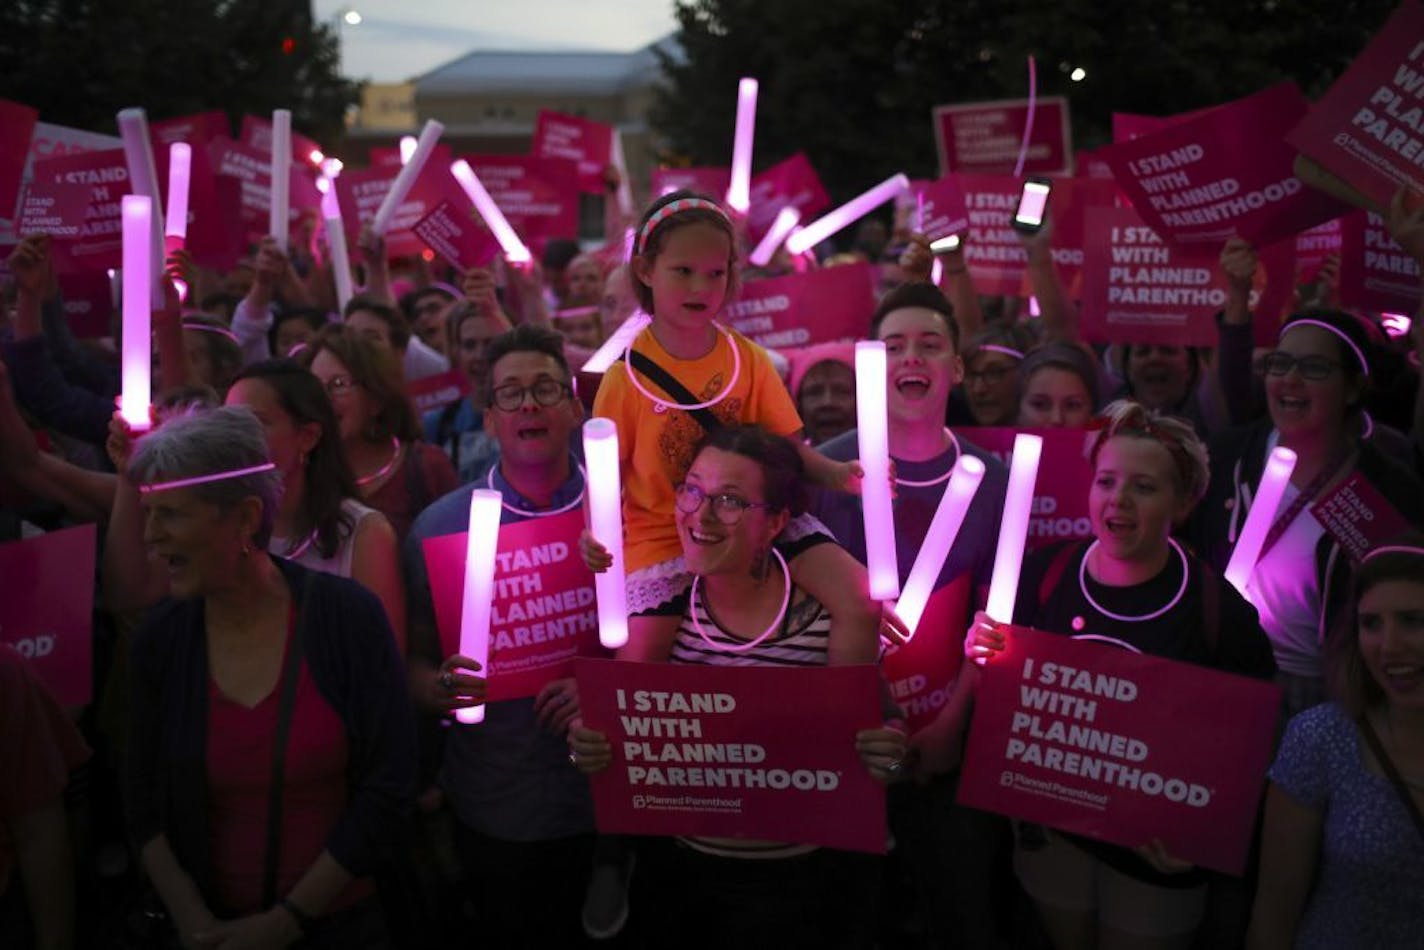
[{"x": 726, "y": 507}]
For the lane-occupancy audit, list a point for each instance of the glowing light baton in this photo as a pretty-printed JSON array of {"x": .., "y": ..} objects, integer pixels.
[
  {"x": 872, "y": 431},
  {"x": 499, "y": 226},
  {"x": 1013, "y": 530},
  {"x": 948, "y": 519},
  {"x": 279, "y": 209},
  {"x": 143, "y": 180},
  {"x": 1028, "y": 120},
  {"x": 479, "y": 587},
  {"x": 336, "y": 245},
  {"x": 786, "y": 219},
  {"x": 618, "y": 341},
  {"x": 857, "y": 207},
  {"x": 605, "y": 506},
  {"x": 180, "y": 168},
  {"x": 1274, "y": 480},
  {"x": 136, "y": 213},
  {"x": 739, "y": 196},
  {"x": 625, "y": 188},
  {"x": 407, "y": 148},
  {"x": 405, "y": 179}
]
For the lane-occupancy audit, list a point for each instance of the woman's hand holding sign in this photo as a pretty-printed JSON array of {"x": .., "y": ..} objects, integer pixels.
[{"x": 985, "y": 639}]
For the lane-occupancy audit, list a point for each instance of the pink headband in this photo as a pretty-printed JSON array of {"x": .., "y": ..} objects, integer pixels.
[
  {"x": 677, "y": 207},
  {"x": 1006, "y": 350},
  {"x": 204, "y": 479},
  {"x": 224, "y": 331},
  {"x": 1304, "y": 322},
  {"x": 1395, "y": 549}
]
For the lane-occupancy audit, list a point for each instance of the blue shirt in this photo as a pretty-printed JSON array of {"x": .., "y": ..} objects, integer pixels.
[{"x": 471, "y": 448}]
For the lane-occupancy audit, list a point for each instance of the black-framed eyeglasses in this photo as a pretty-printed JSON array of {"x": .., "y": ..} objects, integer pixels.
[
  {"x": 1310, "y": 367},
  {"x": 546, "y": 392},
  {"x": 726, "y": 507}
]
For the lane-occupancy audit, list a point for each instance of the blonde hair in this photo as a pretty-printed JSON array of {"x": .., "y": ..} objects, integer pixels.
[{"x": 1126, "y": 417}]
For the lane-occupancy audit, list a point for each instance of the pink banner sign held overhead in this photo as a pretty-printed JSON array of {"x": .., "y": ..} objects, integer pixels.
[
  {"x": 1119, "y": 746},
  {"x": 539, "y": 196},
  {"x": 360, "y": 194},
  {"x": 1358, "y": 516},
  {"x": 588, "y": 143},
  {"x": 18, "y": 122},
  {"x": 920, "y": 673},
  {"x": 45, "y": 614},
  {"x": 57, "y": 202},
  {"x": 1313, "y": 246},
  {"x": 940, "y": 207},
  {"x": 438, "y": 391},
  {"x": 99, "y": 180},
  {"x": 457, "y": 235},
  {"x": 1060, "y": 494},
  {"x": 543, "y": 614},
  {"x": 819, "y": 306},
  {"x": 197, "y": 130},
  {"x": 1375, "y": 272},
  {"x": 761, "y": 753},
  {"x": 1369, "y": 128},
  {"x": 985, "y": 137},
  {"x": 711, "y": 181},
  {"x": 1226, "y": 171},
  {"x": 790, "y": 182}
]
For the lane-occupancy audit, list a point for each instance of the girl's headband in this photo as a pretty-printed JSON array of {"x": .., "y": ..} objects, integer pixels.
[
  {"x": 204, "y": 479},
  {"x": 1306, "y": 322},
  {"x": 676, "y": 207},
  {"x": 206, "y": 328},
  {"x": 1006, "y": 350}
]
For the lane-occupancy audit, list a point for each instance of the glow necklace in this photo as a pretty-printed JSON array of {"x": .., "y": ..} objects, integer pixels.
[
  {"x": 384, "y": 470},
  {"x": 301, "y": 549},
  {"x": 954, "y": 443},
  {"x": 736, "y": 373},
  {"x": 743, "y": 648},
  {"x": 1083, "y": 586},
  {"x": 489, "y": 481}
]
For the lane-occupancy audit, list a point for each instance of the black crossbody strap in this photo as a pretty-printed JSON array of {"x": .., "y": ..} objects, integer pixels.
[
  {"x": 679, "y": 393},
  {"x": 1392, "y": 774},
  {"x": 291, "y": 671}
]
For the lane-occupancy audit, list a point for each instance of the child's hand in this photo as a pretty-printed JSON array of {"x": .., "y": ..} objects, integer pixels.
[
  {"x": 985, "y": 638},
  {"x": 595, "y": 556},
  {"x": 882, "y": 752},
  {"x": 850, "y": 475}
]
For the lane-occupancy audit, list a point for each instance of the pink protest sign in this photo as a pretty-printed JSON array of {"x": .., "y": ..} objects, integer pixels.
[
  {"x": 360, "y": 194},
  {"x": 102, "y": 178},
  {"x": 196, "y": 130},
  {"x": 45, "y": 614},
  {"x": 18, "y": 122},
  {"x": 1375, "y": 272},
  {"x": 1358, "y": 516},
  {"x": 1222, "y": 172},
  {"x": 457, "y": 235},
  {"x": 941, "y": 208},
  {"x": 50, "y": 204},
  {"x": 543, "y": 613},
  {"x": 1369, "y": 128},
  {"x": 257, "y": 134},
  {"x": 1091, "y": 165},
  {"x": 921, "y": 673},
  {"x": 711, "y": 181},
  {"x": 1120, "y": 746},
  {"x": 829, "y": 303},
  {"x": 583, "y": 141},
  {"x": 1312, "y": 247},
  {"x": 388, "y": 156},
  {"x": 435, "y": 392},
  {"x": 539, "y": 196},
  {"x": 755, "y": 752},
  {"x": 985, "y": 137},
  {"x": 790, "y": 182},
  {"x": 1060, "y": 496},
  {"x": 1127, "y": 126}
]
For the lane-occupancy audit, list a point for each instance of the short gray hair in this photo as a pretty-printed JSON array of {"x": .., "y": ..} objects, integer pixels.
[{"x": 209, "y": 442}]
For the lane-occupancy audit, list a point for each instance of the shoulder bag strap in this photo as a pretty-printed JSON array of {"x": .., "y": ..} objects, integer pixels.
[
  {"x": 679, "y": 393},
  {"x": 290, "y": 674},
  {"x": 1392, "y": 773}
]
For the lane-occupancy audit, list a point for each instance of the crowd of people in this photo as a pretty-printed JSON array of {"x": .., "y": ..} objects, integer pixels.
[{"x": 269, "y": 759}]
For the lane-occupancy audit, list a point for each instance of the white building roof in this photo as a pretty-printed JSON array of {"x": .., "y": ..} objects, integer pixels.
[{"x": 523, "y": 71}]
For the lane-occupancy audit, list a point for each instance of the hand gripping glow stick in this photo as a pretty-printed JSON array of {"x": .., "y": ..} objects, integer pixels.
[
  {"x": 948, "y": 519},
  {"x": 136, "y": 212},
  {"x": 405, "y": 178},
  {"x": 857, "y": 207},
  {"x": 739, "y": 190},
  {"x": 1274, "y": 480},
  {"x": 786, "y": 219},
  {"x": 336, "y": 245},
  {"x": 279, "y": 209},
  {"x": 407, "y": 148},
  {"x": 873, "y": 433},
  {"x": 514, "y": 248},
  {"x": 143, "y": 180},
  {"x": 1013, "y": 529},
  {"x": 180, "y": 166},
  {"x": 618, "y": 341},
  {"x": 605, "y": 506},
  {"x": 479, "y": 587}
]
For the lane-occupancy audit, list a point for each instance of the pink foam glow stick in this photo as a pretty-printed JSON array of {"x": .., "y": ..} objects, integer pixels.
[
  {"x": 605, "y": 507},
  {"x": 143, "y": 180},
  {"x": 739, "y": 190},
  {"x": 1269, "y": 492},
  {"x": 1013, "y": 529},
  {"x": 180, "y": 165},
  {"x": 499, "y": 226},
  {"x": 944, "y": 528},
  {"x": 786, "y": 220},
  {"x": 872, "y": 431},
  {"x": 279, "y": 209},
  {"x": 336, "y": 246},
  {"x": 405, "y": 178},
  {"x": 618, "y": 341},
  {"x": 857, "y": 207},
  {"x": 407, "y": 148},
  {"x": 136, "y": 213},
  {"x": 478, "y": 595},
  {"x": 625, "y": 186}
]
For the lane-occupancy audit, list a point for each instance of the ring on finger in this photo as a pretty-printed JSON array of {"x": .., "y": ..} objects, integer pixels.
[
  {"x": 573, "y": 758},
  {"x": 447, "y": 680}
]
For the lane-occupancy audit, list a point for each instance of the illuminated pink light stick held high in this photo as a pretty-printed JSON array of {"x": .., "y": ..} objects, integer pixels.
[
  {"x": 739, "y": 190},
  {"x": 944, "y": 528},
  {"x": 625, "y": 187},
  {"x": 336, "y": 245},
  {"x": 499, "y": 226},
  {"x": 180, "y": 167},
  {"x": 1013, "y": 529},
  {"x": 859, "y": 206},
  {"x": 786, "y": 219},
  {"x": 136, "y": 213},
  {"x": 279, "y": 209},
  {"x": 1269, "y": 493},
  {"x": 143, "y": 180},
  {"x": 407, "y": 148},
  {"x": 405, "y": 178},
  {"x": 872, "y": 431},
  {"x": 605, "y": 505},
  {"x": 475, "y": 604},
  {"x": 619, "y": 340}
]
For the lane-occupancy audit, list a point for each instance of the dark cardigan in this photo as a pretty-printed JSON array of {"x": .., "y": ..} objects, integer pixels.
[{"x": 354, "y": 663}]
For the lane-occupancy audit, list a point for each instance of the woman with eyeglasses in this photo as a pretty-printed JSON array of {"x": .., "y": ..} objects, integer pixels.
[
  {"x": 396, "y": 473},
  {"x": 1316, "y": 380}
]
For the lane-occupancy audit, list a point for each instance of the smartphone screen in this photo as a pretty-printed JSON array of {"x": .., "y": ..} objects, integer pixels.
[
  {"x": 1032, "y": 202},
  {"x": 948, "y": 243}
]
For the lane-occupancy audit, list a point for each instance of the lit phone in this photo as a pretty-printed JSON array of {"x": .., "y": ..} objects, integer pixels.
[
  {"x": 1033, "y": 205},
  {"x": 944, "y": 245}
]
